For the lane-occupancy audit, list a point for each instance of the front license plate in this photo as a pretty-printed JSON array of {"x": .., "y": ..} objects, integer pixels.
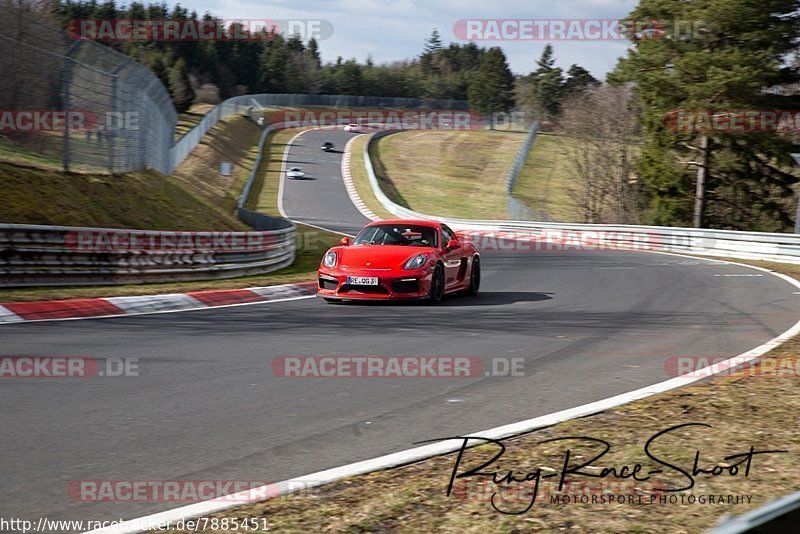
[{"x": 362, "y": 280}]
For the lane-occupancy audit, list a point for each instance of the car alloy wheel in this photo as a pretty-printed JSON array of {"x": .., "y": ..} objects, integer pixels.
[
  {"x": 475, "y": 277},
  {"x": 437, "y": 285}
]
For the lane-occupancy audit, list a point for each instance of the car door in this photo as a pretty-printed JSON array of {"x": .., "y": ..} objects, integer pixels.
[{"x": 454, "y": 264}]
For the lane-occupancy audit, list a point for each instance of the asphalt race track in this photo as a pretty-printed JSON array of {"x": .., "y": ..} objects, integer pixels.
[
  {"x": 320, "y": 199},
  {"x": 207, "y": 405}
]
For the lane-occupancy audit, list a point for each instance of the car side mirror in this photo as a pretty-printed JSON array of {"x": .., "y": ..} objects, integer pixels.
[
  {"x": 453, "y": 244},
  {"x": 345, "y": 242}
]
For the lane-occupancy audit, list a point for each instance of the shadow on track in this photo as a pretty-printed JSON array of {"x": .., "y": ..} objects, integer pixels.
[{"x": 493, "y": 298}]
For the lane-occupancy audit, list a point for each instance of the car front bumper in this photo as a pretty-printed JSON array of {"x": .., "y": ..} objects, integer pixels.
[{"x": 392, "y": 285}]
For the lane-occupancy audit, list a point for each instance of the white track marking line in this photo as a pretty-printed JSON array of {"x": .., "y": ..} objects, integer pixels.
[{"x": 7, "y": 316}]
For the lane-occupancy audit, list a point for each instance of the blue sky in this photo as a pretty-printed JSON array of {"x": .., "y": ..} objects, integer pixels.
[{"x": 391, "y": 30}]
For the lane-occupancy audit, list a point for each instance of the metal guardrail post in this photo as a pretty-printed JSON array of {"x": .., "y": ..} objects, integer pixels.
[
  {"x": 114, "y": 110},
  {"x": 66, "y": 80}
]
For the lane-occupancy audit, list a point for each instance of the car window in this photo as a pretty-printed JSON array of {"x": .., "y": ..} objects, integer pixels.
[
  {"x": 447, "y": 235},
  {"x": 397, "y": 234}
]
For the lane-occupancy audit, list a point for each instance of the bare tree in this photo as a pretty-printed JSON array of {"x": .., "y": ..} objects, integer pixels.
[{"x": 604, "y": 126}]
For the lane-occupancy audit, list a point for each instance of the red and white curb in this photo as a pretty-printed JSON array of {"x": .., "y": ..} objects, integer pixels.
[
  {"x": 15, "y": 312},
  {"x": 347, "y": 178}
]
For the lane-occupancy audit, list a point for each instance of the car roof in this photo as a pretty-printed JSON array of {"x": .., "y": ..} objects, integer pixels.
[{"x": 418, "y": 222}]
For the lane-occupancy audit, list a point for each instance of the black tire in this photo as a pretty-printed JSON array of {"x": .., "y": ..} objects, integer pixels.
[
  {"x": 475, "y": 277},
  {"x": 331, "y": 301},
  {"x": 437, "y": 285}
]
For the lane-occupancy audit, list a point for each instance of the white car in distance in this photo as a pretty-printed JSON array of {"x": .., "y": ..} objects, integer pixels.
[{"x": 295, "y": 173}]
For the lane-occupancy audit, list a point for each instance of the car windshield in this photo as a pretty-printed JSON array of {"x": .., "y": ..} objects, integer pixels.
[{"x": 397, "y": 234}]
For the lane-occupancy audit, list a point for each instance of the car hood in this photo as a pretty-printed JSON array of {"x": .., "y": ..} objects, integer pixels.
[{"x": 378, "y": 256}]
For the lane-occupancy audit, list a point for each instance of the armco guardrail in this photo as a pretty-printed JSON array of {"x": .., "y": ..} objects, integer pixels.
[
  {"x": 33, "y": 255},
  {"x": 522, "y": 155},
  {"x": 516, "y": 209},
  {"x": 728, "y": 243}
]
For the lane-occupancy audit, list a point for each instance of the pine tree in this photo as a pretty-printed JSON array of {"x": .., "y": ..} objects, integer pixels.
[
  {"x": 720, "y": 179},
  {"x": 180, "y": 86},
  {"x": 492, "y": 89},
  {"x": 579, "y": 79},
  {"x": 160, "y": 69},
  {"x": 434, "y": 43},
  {"x": 548, "y": 83}
]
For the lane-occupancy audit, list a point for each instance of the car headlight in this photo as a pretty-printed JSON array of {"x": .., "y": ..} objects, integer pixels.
[
  {"x": 416, "y": 262},
  {"x": 329, "y": 260}
]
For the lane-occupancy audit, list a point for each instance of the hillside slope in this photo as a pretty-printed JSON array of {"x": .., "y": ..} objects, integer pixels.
[{"x": 196, "y": 198}]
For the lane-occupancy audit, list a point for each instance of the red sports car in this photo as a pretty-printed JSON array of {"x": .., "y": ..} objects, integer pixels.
[{"x": 400, "y": 259}]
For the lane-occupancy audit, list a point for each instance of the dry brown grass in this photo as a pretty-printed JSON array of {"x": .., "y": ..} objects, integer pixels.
[
  {"x": 450, "y": 173},
  {"x": 235, "y": 140}
]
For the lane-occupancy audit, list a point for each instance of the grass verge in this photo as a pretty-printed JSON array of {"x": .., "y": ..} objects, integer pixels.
[
  {"x": 742, "y": 409},
  {"x": 140, "y": 200},
  {"x": 191, "y": 118},
  {"x": 448, "y": 173},
  {"x": 264, "y": 194},
  {"x": 235, "y": 140},
  {"x": 196, "y": 197},
  {"x": 548, "y": 176}
]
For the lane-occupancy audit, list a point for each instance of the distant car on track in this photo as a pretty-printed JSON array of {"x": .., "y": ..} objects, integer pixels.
[
  {"x": 295, "y": 173},
  {"x": 327, "y": 146},
  {"x": 399, "y": 259},
  {"x": 352, "y": 127}
]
